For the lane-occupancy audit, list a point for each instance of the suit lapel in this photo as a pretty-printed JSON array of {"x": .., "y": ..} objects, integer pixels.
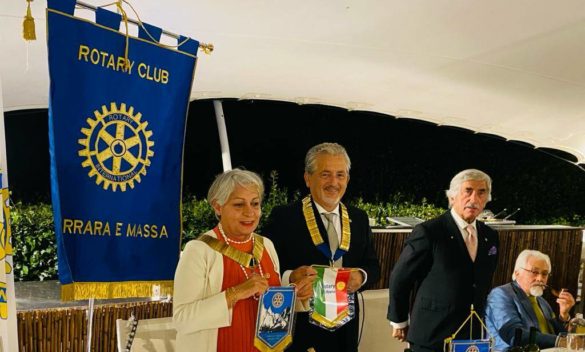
[
  {"x": 481, "y": 242},
  {"x": 455, "y": 234},
  {"x": 525, "y": 302},
  {"x": 305, "y": 244},
  {"x": 548, "y": 314},
  {"x": 320, "y": 224}
]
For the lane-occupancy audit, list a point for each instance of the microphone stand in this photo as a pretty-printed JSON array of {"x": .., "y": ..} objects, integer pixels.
[{"x": 512, "y": 213}]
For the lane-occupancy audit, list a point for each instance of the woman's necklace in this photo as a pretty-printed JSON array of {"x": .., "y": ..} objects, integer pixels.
[
  {"x": 255, "y": 262},
  {"x": 228, "y": 241}
]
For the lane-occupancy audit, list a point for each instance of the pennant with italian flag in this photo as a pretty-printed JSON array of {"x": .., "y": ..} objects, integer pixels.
[{"x": 332, "y": 307}]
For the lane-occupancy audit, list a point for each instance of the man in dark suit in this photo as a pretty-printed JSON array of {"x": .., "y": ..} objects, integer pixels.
[
  {"x": 449, "y": 261},
  {"x": 327, "y": 168},
  {"x": 519, "y": 305}
]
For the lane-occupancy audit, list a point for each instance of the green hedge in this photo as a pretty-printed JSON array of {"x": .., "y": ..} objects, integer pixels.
[
  {"x": 33, "y": 241},
  {"x": 33, "y": 235},
  {"x": 398, "y": 206}
]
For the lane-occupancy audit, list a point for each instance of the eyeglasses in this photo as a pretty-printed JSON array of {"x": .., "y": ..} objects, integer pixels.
[{"x": 535, "y": 272}]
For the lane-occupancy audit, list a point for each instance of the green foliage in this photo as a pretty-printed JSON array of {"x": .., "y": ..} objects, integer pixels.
[
  {"x": 198, "y": 217},
  {"x": 275, "y": 196},
  {"x": 33, "y": 241},
  {"x": 397, "y": 207},
  {"x": 570, "y": 220}
]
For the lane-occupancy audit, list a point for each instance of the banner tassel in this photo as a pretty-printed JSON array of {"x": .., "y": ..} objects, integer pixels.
[
  {"x": 125, "y": 19},
  {"x": 28, "y": 25}
]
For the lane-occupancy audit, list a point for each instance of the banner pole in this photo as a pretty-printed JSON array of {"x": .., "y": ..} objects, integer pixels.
[
  {"x": 223, "y": 137},
  {"x": 206, "y": 47},
  {"x": 90, "y": 322}
]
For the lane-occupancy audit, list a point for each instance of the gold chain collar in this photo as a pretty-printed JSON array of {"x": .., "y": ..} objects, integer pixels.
[
  {"x": 314, "y": 228},
  {"x": 245, "y": 259}
]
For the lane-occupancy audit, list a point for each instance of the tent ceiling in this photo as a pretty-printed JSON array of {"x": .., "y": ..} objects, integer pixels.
[{"x": 507, "y": 68}]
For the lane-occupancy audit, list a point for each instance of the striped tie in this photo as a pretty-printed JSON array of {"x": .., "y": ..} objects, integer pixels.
[{"x": 332, "y": 236}]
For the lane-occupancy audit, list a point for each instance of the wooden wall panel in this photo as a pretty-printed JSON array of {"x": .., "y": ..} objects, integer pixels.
[{"x": 563, "y": 245}]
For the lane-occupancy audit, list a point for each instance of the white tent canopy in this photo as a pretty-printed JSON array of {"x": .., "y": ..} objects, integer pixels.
[{"x": 509, "y": 68}]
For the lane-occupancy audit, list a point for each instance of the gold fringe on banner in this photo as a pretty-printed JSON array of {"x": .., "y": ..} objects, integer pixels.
[
  {"x": 278, "y": 347},
  {"x": 330, "y": 323},
  {"x": 107, "y": 290},
  {"x": 28, "y": 26}
]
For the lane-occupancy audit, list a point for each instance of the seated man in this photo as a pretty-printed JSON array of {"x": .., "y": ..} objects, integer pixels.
[{"x": 519, "y": 305}]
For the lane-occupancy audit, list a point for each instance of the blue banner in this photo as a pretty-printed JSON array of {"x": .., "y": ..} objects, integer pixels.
[
  {"x": 117, "y": 115},
  {"x": 275, "y": 319}
]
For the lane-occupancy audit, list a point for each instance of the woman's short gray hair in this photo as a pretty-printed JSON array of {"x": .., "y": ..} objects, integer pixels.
[
  {"x": 324, "y": 148},
  {"x": 225, "y": 184},
  {"x": 527, "y": 254},
  {"x": 468, "y": 175}
]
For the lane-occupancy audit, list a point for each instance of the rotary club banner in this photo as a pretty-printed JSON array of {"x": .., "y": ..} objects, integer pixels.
[
  {"x": 117, "y": 116},
  {"x": 332, "y": 307}
]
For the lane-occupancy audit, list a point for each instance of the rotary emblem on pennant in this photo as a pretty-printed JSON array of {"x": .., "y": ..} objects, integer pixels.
[
  {"x": 117, "y": 147},
  {"x": 277, "y": 300}
]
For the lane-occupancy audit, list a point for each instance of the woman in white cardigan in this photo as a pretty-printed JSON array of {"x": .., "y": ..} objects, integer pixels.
[{"x": 222, "y": 273}]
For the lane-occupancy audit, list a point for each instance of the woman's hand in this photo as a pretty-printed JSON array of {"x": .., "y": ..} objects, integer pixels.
[
  {"x": 303, "y": 278},
  {"x": 254, "y": 286}
]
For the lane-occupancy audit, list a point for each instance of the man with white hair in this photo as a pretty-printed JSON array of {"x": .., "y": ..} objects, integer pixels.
[
  {"x": 519, "y": 305},
  {"x": 300, "y": 230},
  {"x": 449, "y": 262}
]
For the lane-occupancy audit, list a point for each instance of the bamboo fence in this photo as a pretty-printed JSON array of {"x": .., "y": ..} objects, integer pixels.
[{"x": 65, "y": 329}]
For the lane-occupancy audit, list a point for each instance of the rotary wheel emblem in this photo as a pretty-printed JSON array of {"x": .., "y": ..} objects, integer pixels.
[
  {"x": 277, "y": 300},
  {"x": 117, "y": 147}
]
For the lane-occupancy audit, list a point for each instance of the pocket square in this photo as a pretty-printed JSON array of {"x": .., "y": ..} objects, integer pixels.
[{"x": 493, "y": 251}]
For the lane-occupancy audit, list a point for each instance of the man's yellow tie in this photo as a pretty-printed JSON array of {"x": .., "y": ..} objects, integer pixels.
[{"x": 542, "y": 322}]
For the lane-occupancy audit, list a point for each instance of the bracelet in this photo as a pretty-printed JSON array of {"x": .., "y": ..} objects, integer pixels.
[{"x": 231, "y": 296}]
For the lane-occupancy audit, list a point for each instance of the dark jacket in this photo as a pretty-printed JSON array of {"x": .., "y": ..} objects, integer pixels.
[
  {"x": 436, "y": 262},
  {"x": 288, "y": 231},
  {"x": 508, "y": 308}
]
